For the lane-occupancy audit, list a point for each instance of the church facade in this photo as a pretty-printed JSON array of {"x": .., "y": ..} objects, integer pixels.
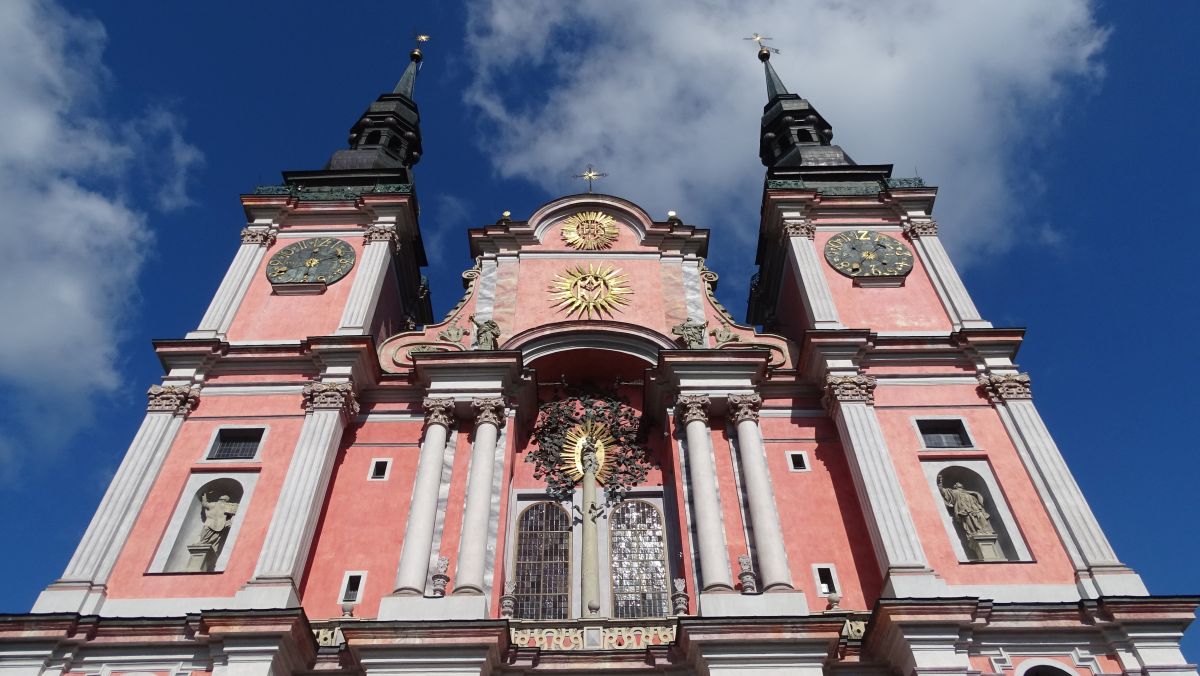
[{"x": 589, "y": 464}]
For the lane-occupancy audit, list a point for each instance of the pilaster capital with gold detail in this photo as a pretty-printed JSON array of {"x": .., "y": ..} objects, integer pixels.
[
  {"x": 745, "y": 406},
  {"x": 331, "y": 396},
  {"x": 488, "y": 410},
  {"x": 438, "y": 411},
  {"x": 261, "y": 237},
  {"x": 848, "y": 388},
  {"x": 804, "y": 228},
  {"x": 921, "y": 228},
  {"x": 1006, "y": 387},
  {"x": 383, "y": 233},
  {"x": 692, "y": 407},
  {"x": 176, "y": 399}
]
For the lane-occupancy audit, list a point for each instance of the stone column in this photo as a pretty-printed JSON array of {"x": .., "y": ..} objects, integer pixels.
[
  {"x": 255, "y": 242},
  {"x": 293, "y": 523},
  {"x": 93, "y": 561},
  {"x": 806, "y": 264},
  {"x": 959, "y": 306},
  {"x": 422, "y": 509},
  {"x": 381, "y": 243},
  {"x": 850, "y": 400},
  {"x": 706, "y": 506},
  {"x": 472, "y": 548},
  {"x": 756, "y": 476},
  {"x": 590, "y": 573}
]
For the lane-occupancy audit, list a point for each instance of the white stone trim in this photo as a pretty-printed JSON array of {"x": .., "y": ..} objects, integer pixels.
[
  {"x": 950, "y": 289},
  {"x": 228, "y": 298},
  {"x": 485, "y": 291},
  {"x": 971, "y": 446},
  {"x": 693, "y": 295},
  {"x": 309, "y": 234},
  {"x": 999, "y": 502},
  {"x": 212, "y": 390},
  {"x": 387, "y": 470},
  {"x": 212, "y": 445},
  {"x": 590, "y": 255},
  {"x": 819, "y": 305},
  {"x": 816, "y": 577},
  {"x": 493, "y": 536},
  {"x": 362, "y": 587},
  {"x": 886, "y": 380},
  {"x": 170, "y": 537},
  {"x": 792, "y": 467},
  {"x": 443, "y": 502},
  {"x": 363, "y": 300}
]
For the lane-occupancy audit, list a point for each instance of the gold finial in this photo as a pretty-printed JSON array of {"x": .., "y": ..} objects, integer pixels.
[
  {"x": 506, "y": 214},
  {"x": 764, "y": 52},
  {"x": 590, "y": 175},
  {"x": 420, "y": 39}
]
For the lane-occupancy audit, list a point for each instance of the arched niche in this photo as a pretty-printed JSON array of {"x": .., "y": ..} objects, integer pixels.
[
  {"x": 198, "y": 547},
  {"x": 623, "y": 210},
  {"x": 627, "y": 339},
  {"x": 976, "y": 515}
]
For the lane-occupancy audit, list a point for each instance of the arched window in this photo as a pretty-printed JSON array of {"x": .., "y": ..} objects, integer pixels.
[
  {"x": 206, "y": 526},
  {"x": 1047, "y": 670},
  {"x": 373, "y": 138},
  {"x": 973, "y": 509},
  {"x": 543, "y": 563},
  {"x": 639, "y": 566}
]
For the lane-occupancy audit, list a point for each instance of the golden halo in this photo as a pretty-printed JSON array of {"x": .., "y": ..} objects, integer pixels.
[
  {"x": 596, "y": 290},
  {"x": 572, "y": 450},
  {"x": 589, "y": 231}
]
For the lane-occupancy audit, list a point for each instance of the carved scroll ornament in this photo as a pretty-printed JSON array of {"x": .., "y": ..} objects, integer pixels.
[
  {"x": 489, "y": 410},
  {"x": 1007, "y": 387},
  {"x": 177, "y": 399},
  {"x": 745, "y": 406},
  {"x": 692, "y": 408},
  {"x": 857, "y": 387},
  {"x": 438, "y": 411}
]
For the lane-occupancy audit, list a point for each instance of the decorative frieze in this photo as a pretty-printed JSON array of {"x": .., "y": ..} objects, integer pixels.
[
  {"x": 924, "y": 228},
  {"x": 262, "y": 237},
  {"x": 804, "y": 228},
  {"x": 489, "y": 410},
  {"x": 330, "y": 396},
  {"x": 745, "y": 406},
  {"x": 438, "y": 411},
  {"x": 177, "y": 399},
  {"x": 692, "y": 408},
  {"x": 623, "y": 637},
  {"x": 857, "y": 387},
  {"x": 1001, "y": 388}
]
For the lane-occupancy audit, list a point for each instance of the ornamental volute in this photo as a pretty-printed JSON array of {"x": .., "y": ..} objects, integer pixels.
[
  {"x": 922, "y": 228},
  {"x": 804, "y": 228},
  {"x": 331, "y": 397},
  {"x": 1006, "y": 387},
  {"x": 438, "y": 411},
  {"x": 692, "y": 408},
  {"x": 259, "y": 236},
  {"x": 745, "y": 407},
  {"x": 176, "y": 399},
  {"x": 488, "y": 410},
  {"x": 849, "y": 388},
  {"x": 381, "y": 233}
]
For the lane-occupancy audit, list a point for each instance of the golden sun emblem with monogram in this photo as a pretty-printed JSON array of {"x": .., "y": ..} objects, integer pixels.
[
  {"x": 595, "y": 290},
  {"x": 589, "y": 231},
  {"x": 572, "y": 451}
]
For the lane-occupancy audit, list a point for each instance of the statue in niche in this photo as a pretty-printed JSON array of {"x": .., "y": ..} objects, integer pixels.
[
  {"x": 217, "y": 517},
  {"x": 691, "y": 332},
  {"x": 487, "y": 333},
  {"x": 967, "y": 507}
]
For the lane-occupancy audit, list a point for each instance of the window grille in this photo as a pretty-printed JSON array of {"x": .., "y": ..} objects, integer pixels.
[
  {"x": 236, "y": 444},
  {"x": 944, "y": 434},
  {"x": 639, "y": 570},
  {"x": 543, "y": 563}
]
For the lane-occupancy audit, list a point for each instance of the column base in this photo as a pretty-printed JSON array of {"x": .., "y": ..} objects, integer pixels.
[
  {"x": 770, "y": 604},
  {"x": 454, "y": 607},
  {"x": 84, "y": 598},
  {"x": 1110, "y": 581}
]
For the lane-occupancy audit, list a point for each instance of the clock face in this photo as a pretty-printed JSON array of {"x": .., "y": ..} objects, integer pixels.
[
  {"x": 320, "y": 259},
  {"x": 865, "y": 253}
]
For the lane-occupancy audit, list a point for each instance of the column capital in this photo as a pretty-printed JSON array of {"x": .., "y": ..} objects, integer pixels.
[
  {"x": 692, "y": 407},
  {"x": 438, "y": 411},
  {"x": 839, "y": 389},
  {"x": 261, "y": 237},
  {"x": 177, "y": 399},
  {"x": 803, "y": 228},
  {"x": 383, "y": 233},
  {"x": 745, "y": 406},
  {"x": 1002, "y": 388},
  {"x": 921, "y": 228},
  {"x": 488, "y": 410},
  {"x": 331, "y": 396}
]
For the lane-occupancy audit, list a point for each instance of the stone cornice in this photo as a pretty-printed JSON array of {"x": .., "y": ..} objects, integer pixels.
[
  {"x": 176, "y": 399},
  {"x": 1006, "y": 387},
  {"x": 744, "y": 406}
]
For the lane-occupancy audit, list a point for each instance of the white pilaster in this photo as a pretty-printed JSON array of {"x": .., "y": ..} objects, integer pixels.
[
  {"x": 256, "y": 239},
  {"x": 946, "y": 281},
  {"x": 285, "y": 548},
  {"x": 706, "y": 507},
  {"x": 105, "y": 536},
  {"x": 889, "y": 521},
  {"x": 802, "y": 256},
  {"x": 422, "y": 510},
  {"x": 472, "y": 550},
  {"x": 380, "y": 246},
  {"x": 764, "y": 515}
]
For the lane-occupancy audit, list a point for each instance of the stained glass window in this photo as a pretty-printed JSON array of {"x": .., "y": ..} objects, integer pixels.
[
  {"x": 543, "y": 563},
  {"x": 639, "y": 569}
]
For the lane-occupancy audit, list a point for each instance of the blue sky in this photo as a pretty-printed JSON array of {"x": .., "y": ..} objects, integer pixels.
[{"x": 1060, "y": 134}]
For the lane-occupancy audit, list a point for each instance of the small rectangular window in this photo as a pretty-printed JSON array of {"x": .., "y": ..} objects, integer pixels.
[
  {"x": 352, "y": 588},
  {"x": 797, "y": 461},
  {"x": 942, "y": 433},
  {"x": 826, "y": 581},
  {"x": 379, "y": 469},
  {"x": 236, "y": 444}
]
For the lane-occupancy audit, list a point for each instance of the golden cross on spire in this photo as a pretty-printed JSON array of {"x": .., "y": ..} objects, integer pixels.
[
  {"x": 420, "y": 37},
  {"x": 759, "y": 39},
  {"x": 590, "y": 175}
]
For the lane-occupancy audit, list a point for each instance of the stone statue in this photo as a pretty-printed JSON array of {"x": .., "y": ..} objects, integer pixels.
[
  {"x": 722, "y": 334},
  {"x": 691, "y": 332},
  {"x": 487, "y": 334},
  {"x": 967, "y": 507},
  {"x": 217, "y": 517}
]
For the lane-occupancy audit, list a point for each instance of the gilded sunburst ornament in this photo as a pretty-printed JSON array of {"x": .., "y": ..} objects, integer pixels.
[
  {"x": 572, "y": 451},
  {"x": 589, "y": 231},
  {"x": 595, "y": 290}
]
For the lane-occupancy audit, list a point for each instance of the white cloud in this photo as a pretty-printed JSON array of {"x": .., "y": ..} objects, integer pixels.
[
  {"x": 73, "y": 242},
  {"x": 666, "y": 97}
]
